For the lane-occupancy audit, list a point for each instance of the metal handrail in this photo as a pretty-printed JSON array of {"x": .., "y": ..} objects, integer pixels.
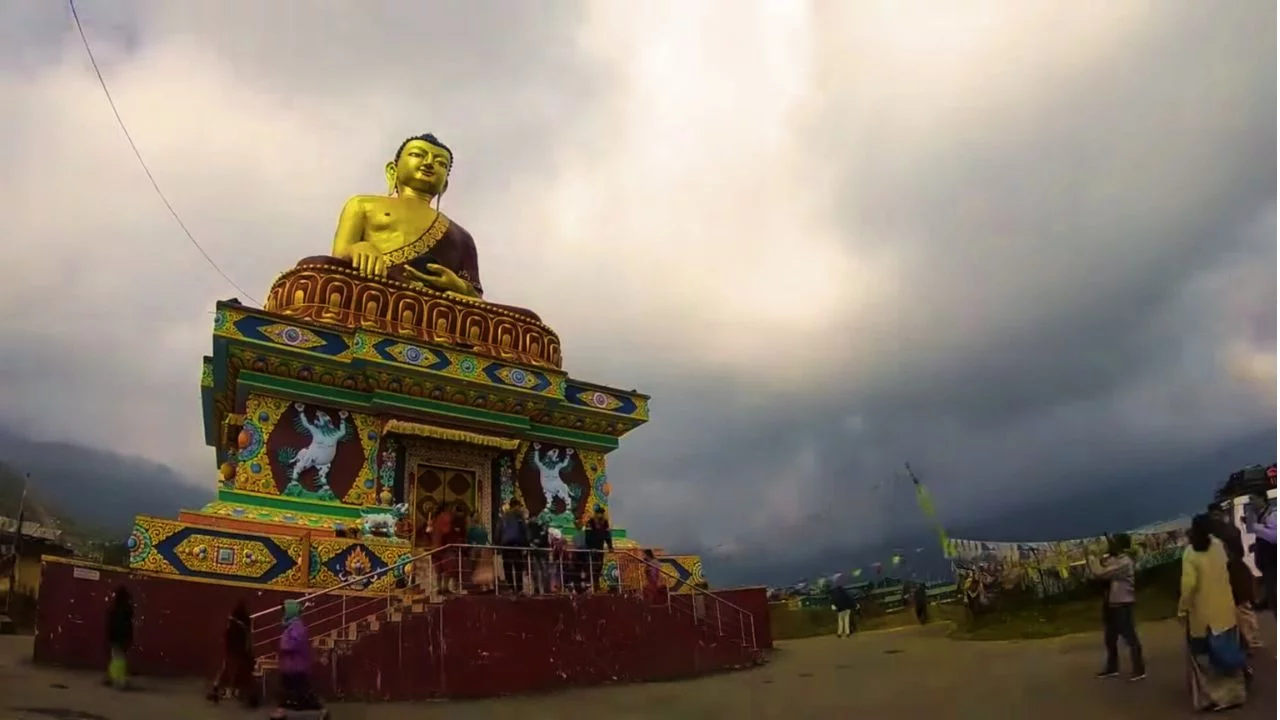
[
  {"x": 696, "y": 590},
  {"x": 308, "y": 602},
  {"x": 374, "y": 574},
  {"x": 691, "y": 586}
]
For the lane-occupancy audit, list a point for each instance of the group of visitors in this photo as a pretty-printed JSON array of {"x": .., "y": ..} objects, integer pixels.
[
  {"x": 522, "y": 550},
  {"x": 1217, "y": 602},
  {"x": 530, "y": 547}
]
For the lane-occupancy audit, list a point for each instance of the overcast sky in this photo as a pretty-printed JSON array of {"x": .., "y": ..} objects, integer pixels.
[{"x": 1016, "y": 243}]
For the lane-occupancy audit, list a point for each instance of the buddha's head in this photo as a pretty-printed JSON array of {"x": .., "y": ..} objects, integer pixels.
[{"x": 421, "y": 165}]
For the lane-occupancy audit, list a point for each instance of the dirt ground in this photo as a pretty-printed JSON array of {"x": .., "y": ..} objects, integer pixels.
[{"x": 913, "y": 673}]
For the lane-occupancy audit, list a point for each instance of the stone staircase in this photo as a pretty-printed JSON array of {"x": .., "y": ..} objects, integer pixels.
[{"x": 339, "y": 618}]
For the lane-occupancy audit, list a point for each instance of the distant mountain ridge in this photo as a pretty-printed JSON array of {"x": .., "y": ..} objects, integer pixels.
[{"x": 98, "y": 489}]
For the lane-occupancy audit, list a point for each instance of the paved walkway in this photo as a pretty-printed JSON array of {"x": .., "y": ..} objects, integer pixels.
[{"x": 912, "y": 673}]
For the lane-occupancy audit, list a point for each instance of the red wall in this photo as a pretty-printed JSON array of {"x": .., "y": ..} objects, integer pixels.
[
  {"x": 177, "y": 623},
  {"x": 502, "y": 646},
  {"x": 464, "y": 648}
]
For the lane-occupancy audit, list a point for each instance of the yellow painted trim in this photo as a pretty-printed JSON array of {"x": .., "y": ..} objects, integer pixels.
[
  {"x": 174, "y": 576},
  {"x": 404, "y": 427}
]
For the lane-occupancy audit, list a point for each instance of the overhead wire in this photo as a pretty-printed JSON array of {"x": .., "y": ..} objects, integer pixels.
[{"x": 138, "y": 154}]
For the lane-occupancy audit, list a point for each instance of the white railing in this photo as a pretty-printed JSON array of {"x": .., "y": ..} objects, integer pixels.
[
  {"x": 726, "y": 617},
  {"x": 337, "y": 606}
]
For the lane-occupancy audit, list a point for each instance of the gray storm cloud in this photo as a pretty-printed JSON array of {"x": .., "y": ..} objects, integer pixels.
[{"x": 826, "y": 237}]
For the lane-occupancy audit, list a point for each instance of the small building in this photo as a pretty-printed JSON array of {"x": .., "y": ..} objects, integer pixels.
[{"x": 37, "y": 541}]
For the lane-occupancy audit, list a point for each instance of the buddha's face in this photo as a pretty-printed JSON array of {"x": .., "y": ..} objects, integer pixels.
[{"x": 422, "y": 167}]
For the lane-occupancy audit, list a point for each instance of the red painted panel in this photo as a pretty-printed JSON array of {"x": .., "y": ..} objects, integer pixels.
[
  {"x": 529, "y": 479},
  {"x": 177, "y": 628},
  {"x": 348, "y": 462}
]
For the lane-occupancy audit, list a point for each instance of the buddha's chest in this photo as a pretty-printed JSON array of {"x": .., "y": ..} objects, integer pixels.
[{"x": 391, "y": 225}]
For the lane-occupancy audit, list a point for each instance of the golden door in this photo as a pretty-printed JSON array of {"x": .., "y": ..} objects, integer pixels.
[{"x": 434, "y": 485}]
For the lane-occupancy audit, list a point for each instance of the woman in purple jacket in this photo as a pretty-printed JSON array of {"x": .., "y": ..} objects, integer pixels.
[{"x": 295, "y": 664}]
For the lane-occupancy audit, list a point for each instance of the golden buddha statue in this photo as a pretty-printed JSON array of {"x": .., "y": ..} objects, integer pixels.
[
  {"x": 403, "y": 237},
  {"x": 401, "y": 266}
]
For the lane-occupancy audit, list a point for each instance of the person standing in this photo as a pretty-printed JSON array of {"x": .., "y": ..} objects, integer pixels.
[
  {"x": 842, "y": 602},
  {"x": 655, "y": 590},
  {"x": 513, "y": 541},
  {"x": 295, "y": 664},
  {"x": 236, "y": 674},
  {"x": 119, "y": 638},
  {"x": 1242, "y": 580},
  {"x": 539, "y": 558},
  {"x": 443, "y": 557},
  {"x": 1216, "y": 657},
  {"x": 1261, "y": 523},
  {"x": 482, "y": 571},
  {"x": 558, "y": 554},
  {"x": 920, "y": 599},
  {"x": 599, "y": 535},
  {"x": 1118, "y": 570},
  {"x": 457, "y": 538}
]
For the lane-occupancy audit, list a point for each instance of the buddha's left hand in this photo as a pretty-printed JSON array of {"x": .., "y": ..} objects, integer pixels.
[{"x": 439, "y": 277}]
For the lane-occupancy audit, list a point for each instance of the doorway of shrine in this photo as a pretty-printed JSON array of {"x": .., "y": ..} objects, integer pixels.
[{"x": 436, "y": 486}]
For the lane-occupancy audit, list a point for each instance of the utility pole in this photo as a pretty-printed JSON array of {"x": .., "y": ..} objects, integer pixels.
[{"x": 15, "y": 550}]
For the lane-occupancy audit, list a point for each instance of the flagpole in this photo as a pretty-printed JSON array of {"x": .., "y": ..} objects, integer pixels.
[
  {"x": 16, "y": 545},
  {"x": 926, "y": 506}
]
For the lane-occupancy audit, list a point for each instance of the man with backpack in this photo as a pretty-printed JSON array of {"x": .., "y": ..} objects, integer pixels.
[{"x": 513, "y": 539}]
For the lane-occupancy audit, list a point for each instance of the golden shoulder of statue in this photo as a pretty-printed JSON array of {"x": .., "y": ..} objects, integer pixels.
[{"x": 402, "y": 236}]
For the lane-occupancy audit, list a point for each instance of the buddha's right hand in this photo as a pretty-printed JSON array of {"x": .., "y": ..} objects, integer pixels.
[{"x": 368, "y": 260}]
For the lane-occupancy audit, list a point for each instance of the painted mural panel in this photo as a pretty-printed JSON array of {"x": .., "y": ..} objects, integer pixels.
[
  {"x": 681, "y": 573},
  {"x": 176, "y": 548},
  {"x": 504, "y": 473},
  {"x": 560, "y": 485},
  {"x": 334, "y": 561},
  {"x": 307, "y": 451}
]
